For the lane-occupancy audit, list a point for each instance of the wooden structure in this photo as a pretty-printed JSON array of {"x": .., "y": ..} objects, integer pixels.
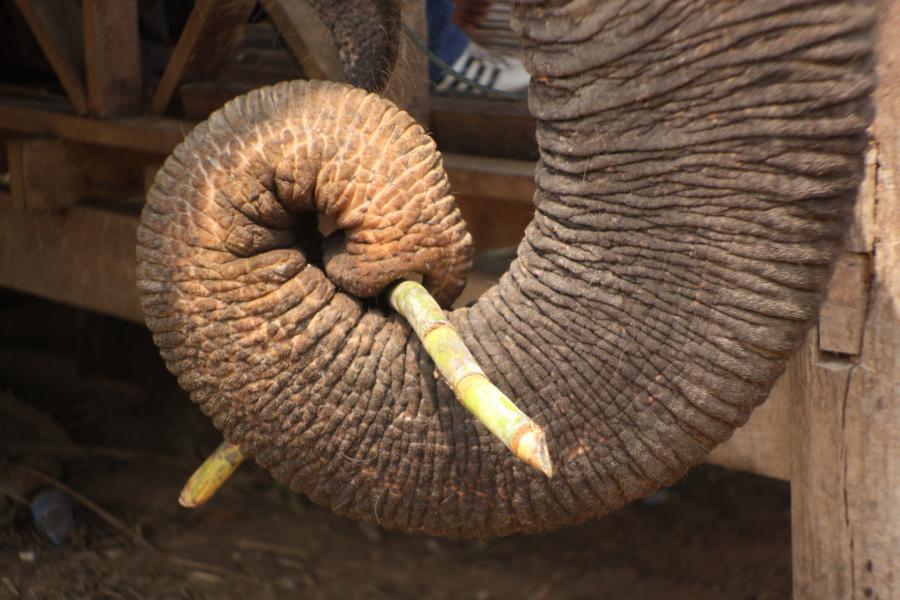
[{"x": 78, "y": 166}]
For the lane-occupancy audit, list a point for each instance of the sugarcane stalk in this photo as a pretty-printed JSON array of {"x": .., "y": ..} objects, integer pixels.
[
  {"x": 462, "y": 374},
  {"x": 456, "y": 366},
  {"x": 210, "y": 476}
]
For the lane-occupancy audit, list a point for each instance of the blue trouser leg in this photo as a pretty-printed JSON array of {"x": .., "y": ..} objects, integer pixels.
[{"x": 445, "y": 38}]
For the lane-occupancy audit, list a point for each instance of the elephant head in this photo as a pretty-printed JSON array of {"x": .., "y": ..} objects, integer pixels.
[{"x": 699, "y": 162}]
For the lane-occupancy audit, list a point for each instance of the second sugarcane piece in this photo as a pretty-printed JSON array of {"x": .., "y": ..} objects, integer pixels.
[{"x": 459, "y": 370}]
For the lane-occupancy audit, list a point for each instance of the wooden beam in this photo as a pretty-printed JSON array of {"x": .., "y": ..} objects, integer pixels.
[
  {"x": 470, "y": 177},
  {"x": 845, "y": 480},
  {"x": 458, "y": 126},
  {"x": 204, "y": 45},
  {"x": 862, "y": 236},
  {"x": 495, "y": 178},
  {"x": 151, "y": 134},
  {"x": 496, "y": 128},
  {"x": 112, "y": 57},
  {"x": 56, "y": 24},
  {"x": 83, "y": 256},
  {"x": 494, "y": 223},
  {"x": 842, "y": 316},
  {"x": 30, "y": 187},
  {"x": 307, "y": 37},
  {"x": 79, "y": 171}
]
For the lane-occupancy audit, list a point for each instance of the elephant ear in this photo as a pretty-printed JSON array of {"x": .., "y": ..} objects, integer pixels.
[{"x": 366, "y": 33}]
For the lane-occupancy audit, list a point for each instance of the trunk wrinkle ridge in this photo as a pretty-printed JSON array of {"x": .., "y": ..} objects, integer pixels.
[{"x": 699, "y": 164}]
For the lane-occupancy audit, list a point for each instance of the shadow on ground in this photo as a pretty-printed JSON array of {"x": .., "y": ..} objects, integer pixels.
[{"x": 113, "y": 426}]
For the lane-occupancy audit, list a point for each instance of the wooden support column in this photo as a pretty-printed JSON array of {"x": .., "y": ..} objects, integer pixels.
[
  {"x": 56, "y": 24},
  {"x": 204, "y": 45},
  {"x": 845, "y": 481},
  {"x": 112, "y": 57}
]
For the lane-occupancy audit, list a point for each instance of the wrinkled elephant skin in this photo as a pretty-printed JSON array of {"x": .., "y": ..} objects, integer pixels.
[{"x": 699, "y": 163}]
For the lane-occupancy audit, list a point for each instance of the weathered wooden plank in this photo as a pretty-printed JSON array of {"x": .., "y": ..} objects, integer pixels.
[
  {"x": 457, "y": 126},
  {"x": 496, "y": 128},
  {"x": 495, "y": 178},
  {"x": 845, "y": 484},
  {"x": 112, "y": 57},
  {"x": 872, "y": 443},
  {"x": 473, "y": 179},
  {"x": 307, "y": 37},
  {"x": 78, "y": 171},
  {"x": 204, "y": 45},
  {"x": 56, "y": 24},
  {"x": 151, "y": 134},
  {"x": 83, "y": 256},
  {"x": 842, "y": 316},
  {"x": 845, "y": 480},
  {"x": 861, "y": 236},
  {"x": 30, "y": 188},
  {"x": 820, "y": 531},
  {"x": 494, "y": 222}
]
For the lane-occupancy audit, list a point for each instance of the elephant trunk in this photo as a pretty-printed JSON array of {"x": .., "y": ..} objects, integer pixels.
[
  {"x": 698, "y": 167},
  {"x": 365, "y": 33}
]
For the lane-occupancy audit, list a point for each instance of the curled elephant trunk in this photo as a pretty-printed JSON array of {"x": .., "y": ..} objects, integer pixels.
[
  {"x": 365, "y": 33},
  {"x": 698, "y": 167}
]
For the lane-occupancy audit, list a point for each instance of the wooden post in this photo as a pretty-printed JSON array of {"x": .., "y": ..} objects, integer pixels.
[
  {"x": 56, "y": 24},
  {"x": 112, "y": 57},
  {"x": 204, "y": 45},
  {"x": 845, "y": 481}
]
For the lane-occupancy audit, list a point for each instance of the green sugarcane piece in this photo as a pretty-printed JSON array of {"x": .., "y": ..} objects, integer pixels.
[
  {"x": 458, "y": 368},
  {"x": 470, "y": 385},
  {"x": 210, "y": 476}
]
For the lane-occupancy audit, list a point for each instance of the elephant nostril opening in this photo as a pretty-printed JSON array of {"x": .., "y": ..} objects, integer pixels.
[
  {"x": 323, "y": 244},
  {"x": 309, "y": 238}
]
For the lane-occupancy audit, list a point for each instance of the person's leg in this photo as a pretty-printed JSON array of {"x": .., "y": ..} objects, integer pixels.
[
  {"x": 445, "y": 39},
  {"x": 451, "y": 44}
]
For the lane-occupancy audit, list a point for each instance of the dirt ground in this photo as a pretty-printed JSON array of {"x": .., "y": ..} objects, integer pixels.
[{"x": 97, "y": 412}]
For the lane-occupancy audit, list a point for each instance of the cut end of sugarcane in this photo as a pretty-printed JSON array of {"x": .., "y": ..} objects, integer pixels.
[
  {"x": 530, "y": 445},
  {"x": 211, "y": 475}
]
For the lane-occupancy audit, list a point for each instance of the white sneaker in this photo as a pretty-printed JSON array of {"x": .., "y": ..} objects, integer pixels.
[{"x": 501, "y": 73}]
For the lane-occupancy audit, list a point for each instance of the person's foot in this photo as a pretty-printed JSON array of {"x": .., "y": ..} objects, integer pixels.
[{"x": 500, "y": 73}]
